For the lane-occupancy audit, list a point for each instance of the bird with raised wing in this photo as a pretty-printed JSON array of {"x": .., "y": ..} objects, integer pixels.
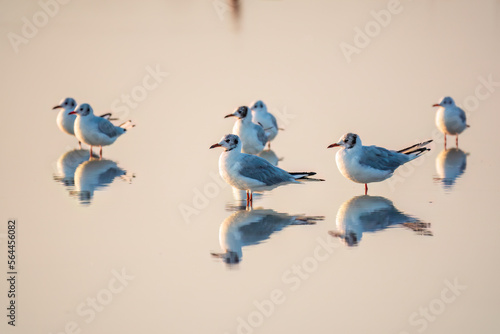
[
  {"x": 450, "y": 119},
  {"x": 250, "y": 172},
  {"x": 96, "y": 131},
  {"x": 253, "y": 136},
  {"x": 366, "y": 164},
  {"x": 261, "y": 116}
]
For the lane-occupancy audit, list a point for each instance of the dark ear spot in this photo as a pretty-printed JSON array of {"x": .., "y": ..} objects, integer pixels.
[
  {"x": 354, "y": 138},
  {"x": 236, "y": 141},
  {"x": 243, "y": 111}
]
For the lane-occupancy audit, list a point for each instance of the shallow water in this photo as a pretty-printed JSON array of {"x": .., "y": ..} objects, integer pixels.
[{"x": 150, "y": 239}]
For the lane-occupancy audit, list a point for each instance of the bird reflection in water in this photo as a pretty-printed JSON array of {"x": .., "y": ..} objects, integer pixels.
[
  {"x": 251, "y": 227},
  {"x": 96, "y": 174},
  {"x": 270, "y": 156},
  {"x": 450, "y": 165},
  {"x": 367, "y": 213},
  {"x": 67, "y": 164}
]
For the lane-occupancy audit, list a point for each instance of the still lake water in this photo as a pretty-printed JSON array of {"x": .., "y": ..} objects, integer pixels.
[{"x": 150, "y": 240}]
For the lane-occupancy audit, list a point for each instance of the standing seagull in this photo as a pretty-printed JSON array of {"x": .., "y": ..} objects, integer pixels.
[
  {"x": 65, "y": 120},
  {"x": 96, "y": 131},
  {"x": 450, "y": 119},
  {"x": 261, "y": 116},
  {"x": 253, "y": 136},
  {"x": 366, "y": 164},
  {"x": 250, "y": 172}
]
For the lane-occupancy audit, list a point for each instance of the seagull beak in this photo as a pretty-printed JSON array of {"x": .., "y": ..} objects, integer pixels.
[
  {"x": 333, "y": 145},
  {"x": 230, "y": 115},
  {"x": 56, "y": 107},
  {"x": 73, "y": 113},
  {"x": 437, "y": 105},
  {"x": 215, "y": 145}
]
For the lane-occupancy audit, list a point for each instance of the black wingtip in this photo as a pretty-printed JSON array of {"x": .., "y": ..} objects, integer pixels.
[{"x": 303, "y": 173}]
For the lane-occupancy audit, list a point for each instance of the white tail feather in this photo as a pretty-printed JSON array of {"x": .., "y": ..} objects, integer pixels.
[{"x": 127, "y": 125}]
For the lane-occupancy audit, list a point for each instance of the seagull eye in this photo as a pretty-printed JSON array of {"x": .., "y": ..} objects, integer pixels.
[{"x": 227, "y": 141}]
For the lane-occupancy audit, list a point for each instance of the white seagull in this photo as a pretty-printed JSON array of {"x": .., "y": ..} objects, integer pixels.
[
  {"x": 96, "y": 131},
  {"x": 253, "y": 135},
  {"x": 250, "y": 172},
  {"x": 65, "y": 121},
  {"x": 261, "y": 116},
  {"x": 450, "y": 119},
  {"x": 366, "y": 164}
]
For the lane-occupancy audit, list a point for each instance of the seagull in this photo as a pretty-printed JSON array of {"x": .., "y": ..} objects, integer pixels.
[
  {"x": 96, "y": 131},
  {"x": 253, "y": 135},
  {"x": 366, "y": 213},
  {"x": 450, "y": 119},
  {"x": 65, "y": 121},
  {"x": 261, "y": 116},
  {"x": 251, "y": 227},
  {"x": 250, "y": 172},
  {"x": 366, "y": 164}
]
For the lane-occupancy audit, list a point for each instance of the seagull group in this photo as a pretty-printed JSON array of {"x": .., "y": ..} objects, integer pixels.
[
  {"x": 255, "y": 128},
  {"x": 80, "y": 121},
  {"x": 241, "y": 168}
]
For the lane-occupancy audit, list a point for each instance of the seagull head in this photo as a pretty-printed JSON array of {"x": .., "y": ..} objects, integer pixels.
[
  {"x": 347, "y": 141},
  {"x": 68, "y": 103},
  {"x": 241, "y": 113},
  {"x": 229, "y": 142},
  {"x": 83, "y": 109},
  {"x": 259, "y": 106},
  {"x": 445, "y": 102}
]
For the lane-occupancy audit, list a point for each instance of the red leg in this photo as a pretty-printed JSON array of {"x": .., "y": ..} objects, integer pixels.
[
  {"x": 90, "y": 157},
  {"x": 445, "y": 141},
  {"x": 251, "y": 199},
  {"x": 366, "y": 189},
  {"x": 456, "y": 141},
  {"x": 80, "y": 144},
  {"x": 100, "y": 152}
]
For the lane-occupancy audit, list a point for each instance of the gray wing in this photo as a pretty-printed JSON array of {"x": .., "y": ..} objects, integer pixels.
[
  {"x": 261, "y": 134},
  {"x": 461, "y": 114},
  {"x": 381, "y": 158},
  {"x": 107, "y": 127},
  {"x": 273, "y": 119},
  {"x": 383, "y": 218},
  {"x": 257, "y": 168}
]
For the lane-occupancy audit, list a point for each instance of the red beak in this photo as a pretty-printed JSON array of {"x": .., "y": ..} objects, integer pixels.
[
  {"x": 216, "y": 145},
  {"x": 72, "y": 113},
  {"x": 437, "y": 105},
  {"x": 333, "y": 145},
  {"x": 230, "y": 115}
]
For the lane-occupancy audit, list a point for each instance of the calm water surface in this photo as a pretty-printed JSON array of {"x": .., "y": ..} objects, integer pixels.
[{"x": 149, "y": 239}]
